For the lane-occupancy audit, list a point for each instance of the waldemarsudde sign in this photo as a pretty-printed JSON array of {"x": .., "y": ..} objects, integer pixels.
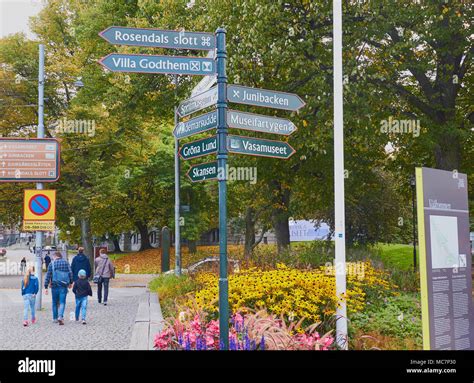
[
  {"x": 159, "y": 38},
  {"x": 196, "y": 125},
  {"x": 138, "y": 63}
]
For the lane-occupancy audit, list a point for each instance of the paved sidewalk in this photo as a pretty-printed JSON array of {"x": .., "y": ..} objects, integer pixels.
[{"x": 108, "y": 327}]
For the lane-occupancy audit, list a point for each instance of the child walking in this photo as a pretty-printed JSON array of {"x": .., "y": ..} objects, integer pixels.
[
  {"x": 82, "y": 289},
  {"x": 29, "y": 289}
]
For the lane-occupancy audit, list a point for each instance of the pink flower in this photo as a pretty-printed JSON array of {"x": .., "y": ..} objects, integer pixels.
[
  {"x": 213, "y": 328},
  {"x": 162, "y": 340},
  {"x": 210, "y": 341},
  {"x": 239, "y": 319}
]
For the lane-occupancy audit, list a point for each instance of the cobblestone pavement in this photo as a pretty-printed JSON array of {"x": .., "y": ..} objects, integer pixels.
[{"x": 108, "y": 327}]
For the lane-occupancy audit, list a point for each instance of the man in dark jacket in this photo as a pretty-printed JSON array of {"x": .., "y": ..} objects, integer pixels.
[{"x": 80, "y": 262}]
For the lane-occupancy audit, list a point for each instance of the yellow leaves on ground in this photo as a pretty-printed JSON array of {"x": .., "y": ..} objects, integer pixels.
[{"x": 149, "y": 261}]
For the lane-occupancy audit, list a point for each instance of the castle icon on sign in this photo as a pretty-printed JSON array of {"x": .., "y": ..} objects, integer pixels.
[{"x": 195, "y": 65}]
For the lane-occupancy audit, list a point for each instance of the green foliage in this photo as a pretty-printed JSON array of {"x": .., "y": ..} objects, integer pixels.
[
  {"x": 170, "y": 288},
  {"x": 398, "y": 316}
]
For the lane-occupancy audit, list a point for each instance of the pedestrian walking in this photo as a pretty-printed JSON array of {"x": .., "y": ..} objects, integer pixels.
[
  {"x": 80, "y": 262},
  {"x": 23, "y": 265},
  {"x": 104, "y": 270},
  {"x": 59, "y": 278},
  {"x": 29, "y": 289},
  {"x": 47, "y": 261},
  {"x": 82, "y": 290}
]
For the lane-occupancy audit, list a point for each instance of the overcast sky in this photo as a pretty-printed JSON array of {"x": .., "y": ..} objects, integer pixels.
[{"x": 14, "y": 15}]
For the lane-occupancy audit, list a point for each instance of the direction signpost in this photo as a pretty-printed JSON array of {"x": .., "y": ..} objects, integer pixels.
[
  {"x": 259, "y": 123},
  {"x": 199, "y": 148},
  {"x": 177, "y": 65},
  {"x": 138, "y": 63},
  {"x": 264, "y": 97},
  {"x": 196, "y": 125},
  {"x": 204, "y": 96},
  {"x": 259, "y": 147},
  {"x": 198, "y": 102},
  {"x": 202, "y": 172},
  {"x": 159, "y": 38},
  {"x": 29, "y": 160}
]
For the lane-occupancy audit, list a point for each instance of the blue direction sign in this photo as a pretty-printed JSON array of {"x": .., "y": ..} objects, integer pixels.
[
  {"x": 259, "y": 123},
  {"x": 202, "y": 172},
  {"x": 196, "y": 125},
  {"x": 159, "y": 38},
  {"x": 198, "y": 102},
  {"x": 263, "y": 97},
  {"x": 199, "y": 148},
  {"x": 118, "y": 62},
  {"x": 259, "y": 147}
]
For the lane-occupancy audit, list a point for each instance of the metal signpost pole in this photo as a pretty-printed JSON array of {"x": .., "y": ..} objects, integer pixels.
[
  {"x": 340, "y": 261},
  {"x": 222, "y": 163},
  {"x": 177, "y": 233},
  {"x": 39, "y": 185}
]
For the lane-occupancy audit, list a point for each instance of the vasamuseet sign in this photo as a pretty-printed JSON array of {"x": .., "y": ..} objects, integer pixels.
[{"x": 445, "y": 260}]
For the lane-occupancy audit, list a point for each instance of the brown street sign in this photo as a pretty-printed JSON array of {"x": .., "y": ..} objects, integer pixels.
[{"x": 29, "y": 160}]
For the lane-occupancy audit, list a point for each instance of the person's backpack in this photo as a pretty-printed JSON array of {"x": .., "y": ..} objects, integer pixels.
[{"x": 60, "y": 278}]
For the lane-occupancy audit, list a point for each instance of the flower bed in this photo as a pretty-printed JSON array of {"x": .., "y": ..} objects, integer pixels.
[
  {"x": 298, "y": 294},
  {"x": 252, "y": 331}
]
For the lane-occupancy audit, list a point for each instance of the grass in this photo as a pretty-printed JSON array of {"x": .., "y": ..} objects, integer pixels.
[
  {"x": 398, "y": 256},
  {"x": 116, "y": 256},
  {"x": 170, "y": 289}
]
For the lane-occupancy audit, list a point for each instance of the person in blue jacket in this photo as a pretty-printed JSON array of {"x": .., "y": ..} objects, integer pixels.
[
  {"x": 80, "y": 262},
  {"x": 29, "y": 289}
]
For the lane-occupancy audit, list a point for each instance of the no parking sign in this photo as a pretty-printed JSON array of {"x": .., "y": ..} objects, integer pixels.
[{"x": 39, "y": 210}]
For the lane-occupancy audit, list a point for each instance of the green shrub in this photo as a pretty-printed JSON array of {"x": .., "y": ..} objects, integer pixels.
[
  {"x": 398, "y": 316},
  {"x": 170, "y": 288}
]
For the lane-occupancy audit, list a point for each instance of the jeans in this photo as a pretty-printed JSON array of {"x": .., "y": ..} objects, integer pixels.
[
  {"x": 29, "y": 301},
  {"x": 105, "y": 282},
  {"x": 81, "y": 307},
  {"x": 59, "y": 299}
]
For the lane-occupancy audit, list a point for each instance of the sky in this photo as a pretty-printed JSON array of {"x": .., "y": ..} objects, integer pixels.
[{"x": 15, "y": 14}]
